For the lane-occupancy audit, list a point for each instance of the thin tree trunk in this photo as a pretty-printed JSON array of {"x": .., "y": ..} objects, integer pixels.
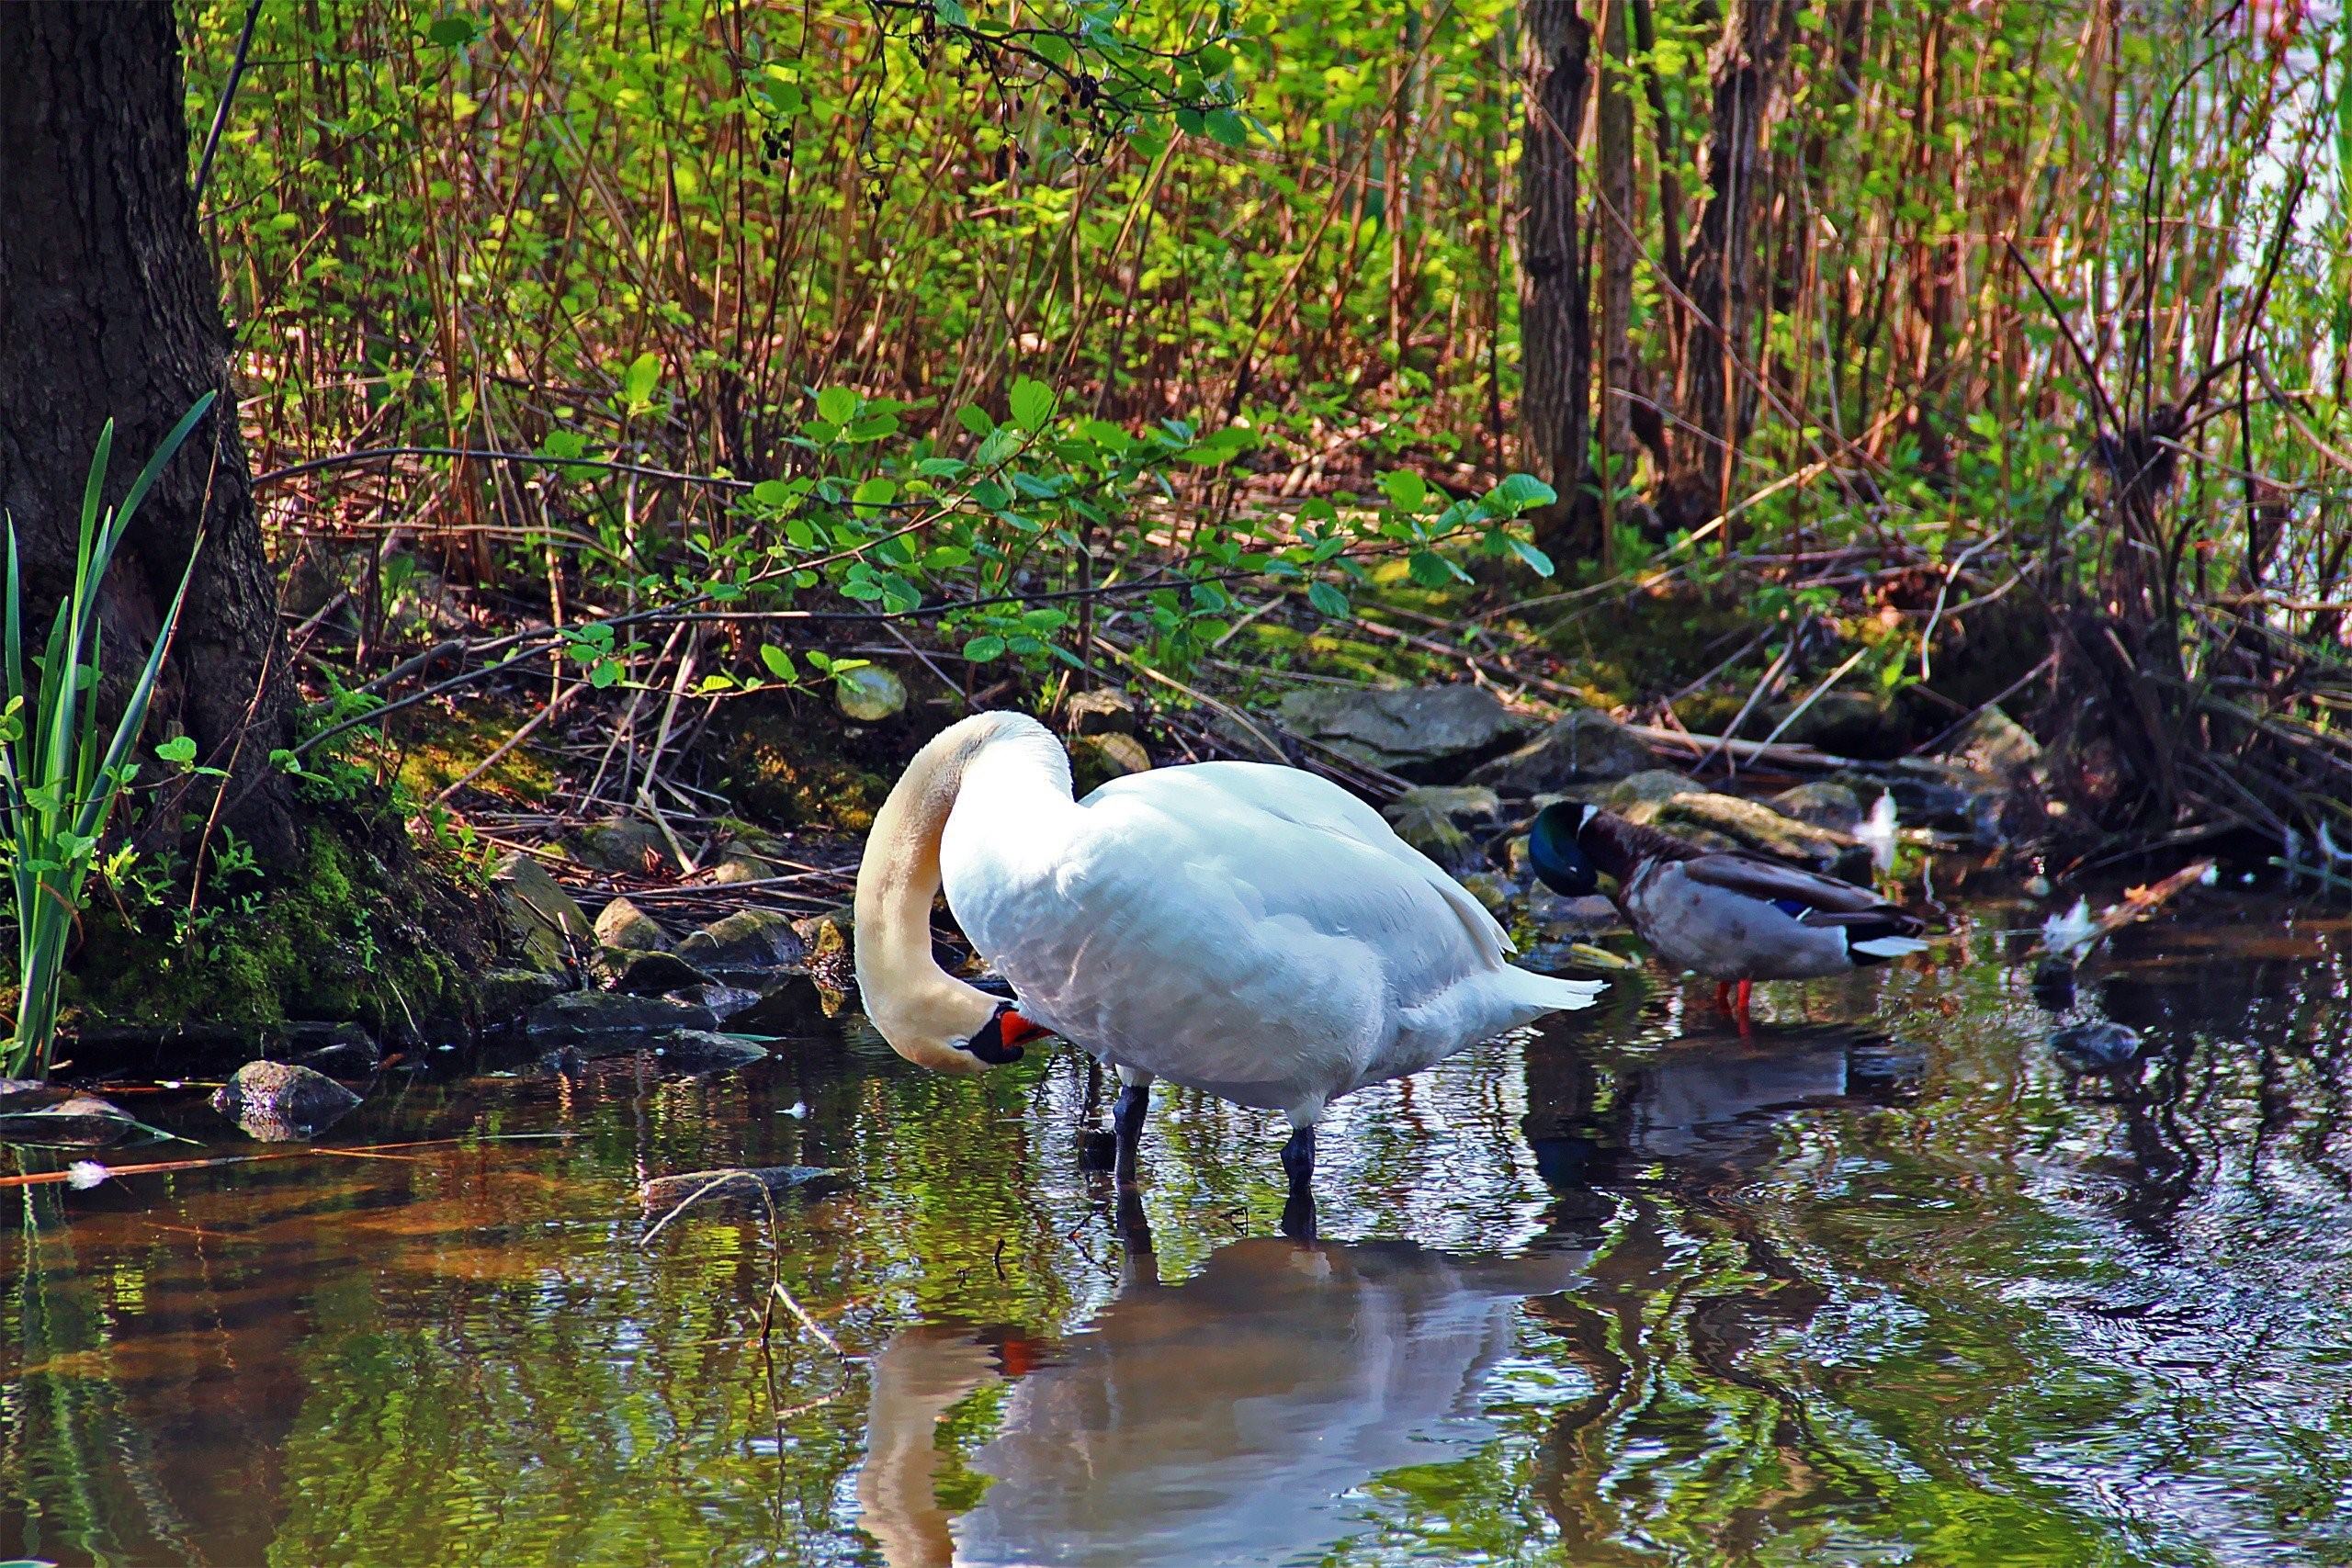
[
  {"x": 110, "y": 308},
  {"x": 1554, "y": 321},
  {"x": 1715, "y": 400},
  {"x": 1614, "y": 216}
]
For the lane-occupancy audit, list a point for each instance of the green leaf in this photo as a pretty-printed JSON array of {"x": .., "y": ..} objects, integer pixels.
[
  {"x": 180, "y": 750},
  {"x": 1540, "y": 563},
  {"x": 975, "y": 420},
  {"x": 778, "y": 661},
  {"x": 982, "y": 649},
  {"x": 771, "y": 492},
  {"x": 836, "y": 405},
  {"x": 1405, "y": 490},
  {"x": 1520, "y": 492},
  {"x": 1031, "y": 402},
  {"x": 453, "y": 32},
  {"x": 1428, "y": 569},
  {"x": 877, "y": 491},
  {"x": 639, "y": 381},
  {"x": 1328, "y": 601}
]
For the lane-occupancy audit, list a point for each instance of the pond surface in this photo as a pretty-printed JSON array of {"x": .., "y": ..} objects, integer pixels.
[{"x": 1883, "y": 1282}]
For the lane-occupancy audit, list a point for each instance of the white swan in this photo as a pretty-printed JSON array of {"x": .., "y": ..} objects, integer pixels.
[{"x": 1251, "y": 930}]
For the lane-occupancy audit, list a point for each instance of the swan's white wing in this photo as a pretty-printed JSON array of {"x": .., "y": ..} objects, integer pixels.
[
  {"x": 1309, "y": 801},
  {"x": 1182, "y": 926}
]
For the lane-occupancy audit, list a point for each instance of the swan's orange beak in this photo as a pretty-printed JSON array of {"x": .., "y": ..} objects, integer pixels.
[{"x": 1015, "y": 1029}]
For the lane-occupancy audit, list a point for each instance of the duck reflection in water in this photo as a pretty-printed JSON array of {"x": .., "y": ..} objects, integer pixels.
[{"x": 1222, "y": 1420}]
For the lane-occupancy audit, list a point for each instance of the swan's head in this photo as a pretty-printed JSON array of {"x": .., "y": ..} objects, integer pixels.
[
  {"x": 1555, "y": 847},
  {"x": 950, "y": 1028}
]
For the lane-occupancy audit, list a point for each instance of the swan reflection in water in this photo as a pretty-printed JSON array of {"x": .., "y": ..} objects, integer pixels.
[
  {"x": 1222, "y": 1420},
  {"x": 1226, "y": 1419}
]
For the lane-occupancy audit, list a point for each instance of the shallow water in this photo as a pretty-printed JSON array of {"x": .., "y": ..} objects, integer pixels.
[{"x": 1882, "y": 1283}]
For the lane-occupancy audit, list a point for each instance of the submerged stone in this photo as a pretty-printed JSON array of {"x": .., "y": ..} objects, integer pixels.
[
  {"x": 277, "y": 1101},
  {"x": 695, "y": 1051},
  {"x": 737, "y": 1185},
  {"x": 592, "y": 1015},
  {"x": 2100, "y": 1046},
  {"x": 74, "y": 1121}
]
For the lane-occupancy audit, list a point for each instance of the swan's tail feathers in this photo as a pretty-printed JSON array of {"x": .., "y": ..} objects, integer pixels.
[{"x": 1552, "y": 993}]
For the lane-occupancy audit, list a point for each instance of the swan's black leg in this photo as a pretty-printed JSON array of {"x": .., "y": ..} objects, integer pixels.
[
  {"x": 1127, "y": 1114},
  {"x": 1298, "y": 1164}
]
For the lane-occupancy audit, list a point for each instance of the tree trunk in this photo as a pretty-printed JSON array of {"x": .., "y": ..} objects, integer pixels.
[
  {"x": 110, "y": 308},
  {"x": 1613, "y": 215},
  {"x": 1715, "y": 400},
  {"x": 1555, "y": 283}
]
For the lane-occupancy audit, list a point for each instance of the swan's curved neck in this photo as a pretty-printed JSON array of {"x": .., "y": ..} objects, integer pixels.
[{"x": 917, "y": 1005}]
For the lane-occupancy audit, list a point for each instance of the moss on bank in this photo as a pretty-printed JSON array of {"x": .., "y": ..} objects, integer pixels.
[{"x": 362, "y": 931}]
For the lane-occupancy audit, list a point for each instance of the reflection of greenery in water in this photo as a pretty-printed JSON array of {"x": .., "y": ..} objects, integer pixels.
[{"x": 1960, "y": 1310}]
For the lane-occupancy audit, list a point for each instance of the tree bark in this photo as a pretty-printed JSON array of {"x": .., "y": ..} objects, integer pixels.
[
  {"x": 110, "y": 308},
  {"x": 1715, "y": 400},
  {"x": 1554, "y": 282}
]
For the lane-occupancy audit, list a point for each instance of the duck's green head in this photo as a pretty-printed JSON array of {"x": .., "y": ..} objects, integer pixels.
[{"x": 1560, "y": 862}]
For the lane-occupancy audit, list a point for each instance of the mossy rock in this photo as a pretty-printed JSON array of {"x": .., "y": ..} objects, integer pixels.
[
  {"x": 1823, "y": 802},
  {"x": 621, "y": 923},
  {"x": 1751, "y": 825},
  {"x": 1096, "y": 759},
  {"x": 747, "y": 942},
  {"x": 545, "y": 922},
  {"x": 624, "y": 843},
  {"x": 1578, "y": 749},
  {"x": 1438, "y": 820},
  {"x": 389, "y": 942}
]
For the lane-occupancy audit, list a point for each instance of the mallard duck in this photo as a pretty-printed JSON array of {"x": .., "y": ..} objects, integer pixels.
[{"x": 1730, "y": 916}]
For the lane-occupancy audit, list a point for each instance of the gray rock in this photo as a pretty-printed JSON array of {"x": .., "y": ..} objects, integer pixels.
[
  {"x": 75, "y": 1122},
  {"x": 737, "y": 1185},
  {"x": 1580, "y": 748},
  {"x": 604, "y": 1015},
  {"x": 1825, "y": 804},
  {"x": 278, "y": 1102},
  {"x": 1752, "y": 825},
  {"x": 333, "y": 1047},
  {"x": 747, "y": 942},
  {"x": 869, "y": 693},
  {"x": 505, "y": 995},
  {"x": 644, "y": 974},
  {"x": 622, "y": 924},
  {"x": 830, "y": 962},
  {"x": 1427, "y": 734},
  {"x": 27, "y": 1094},
  {"x": 1844, "y": 721},
  {"x": 623, "y": 843},
  {"x": 793, "y": 1007},
  {"x": 1439, "y": 819},
  {"x": 1993, "y": 744},
  {"x": 1105, "y": 711},
  {"x": 1096, "y": 759},
  {"x": 545, "y": 921},
  {"x": 695, "y": 1051},
  {"x": 741, "y": 866},
  {"x": 1637, "y": 796},
  {"x": 1591, "y": 915},
  {"x": 724, "y": 1001}
]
